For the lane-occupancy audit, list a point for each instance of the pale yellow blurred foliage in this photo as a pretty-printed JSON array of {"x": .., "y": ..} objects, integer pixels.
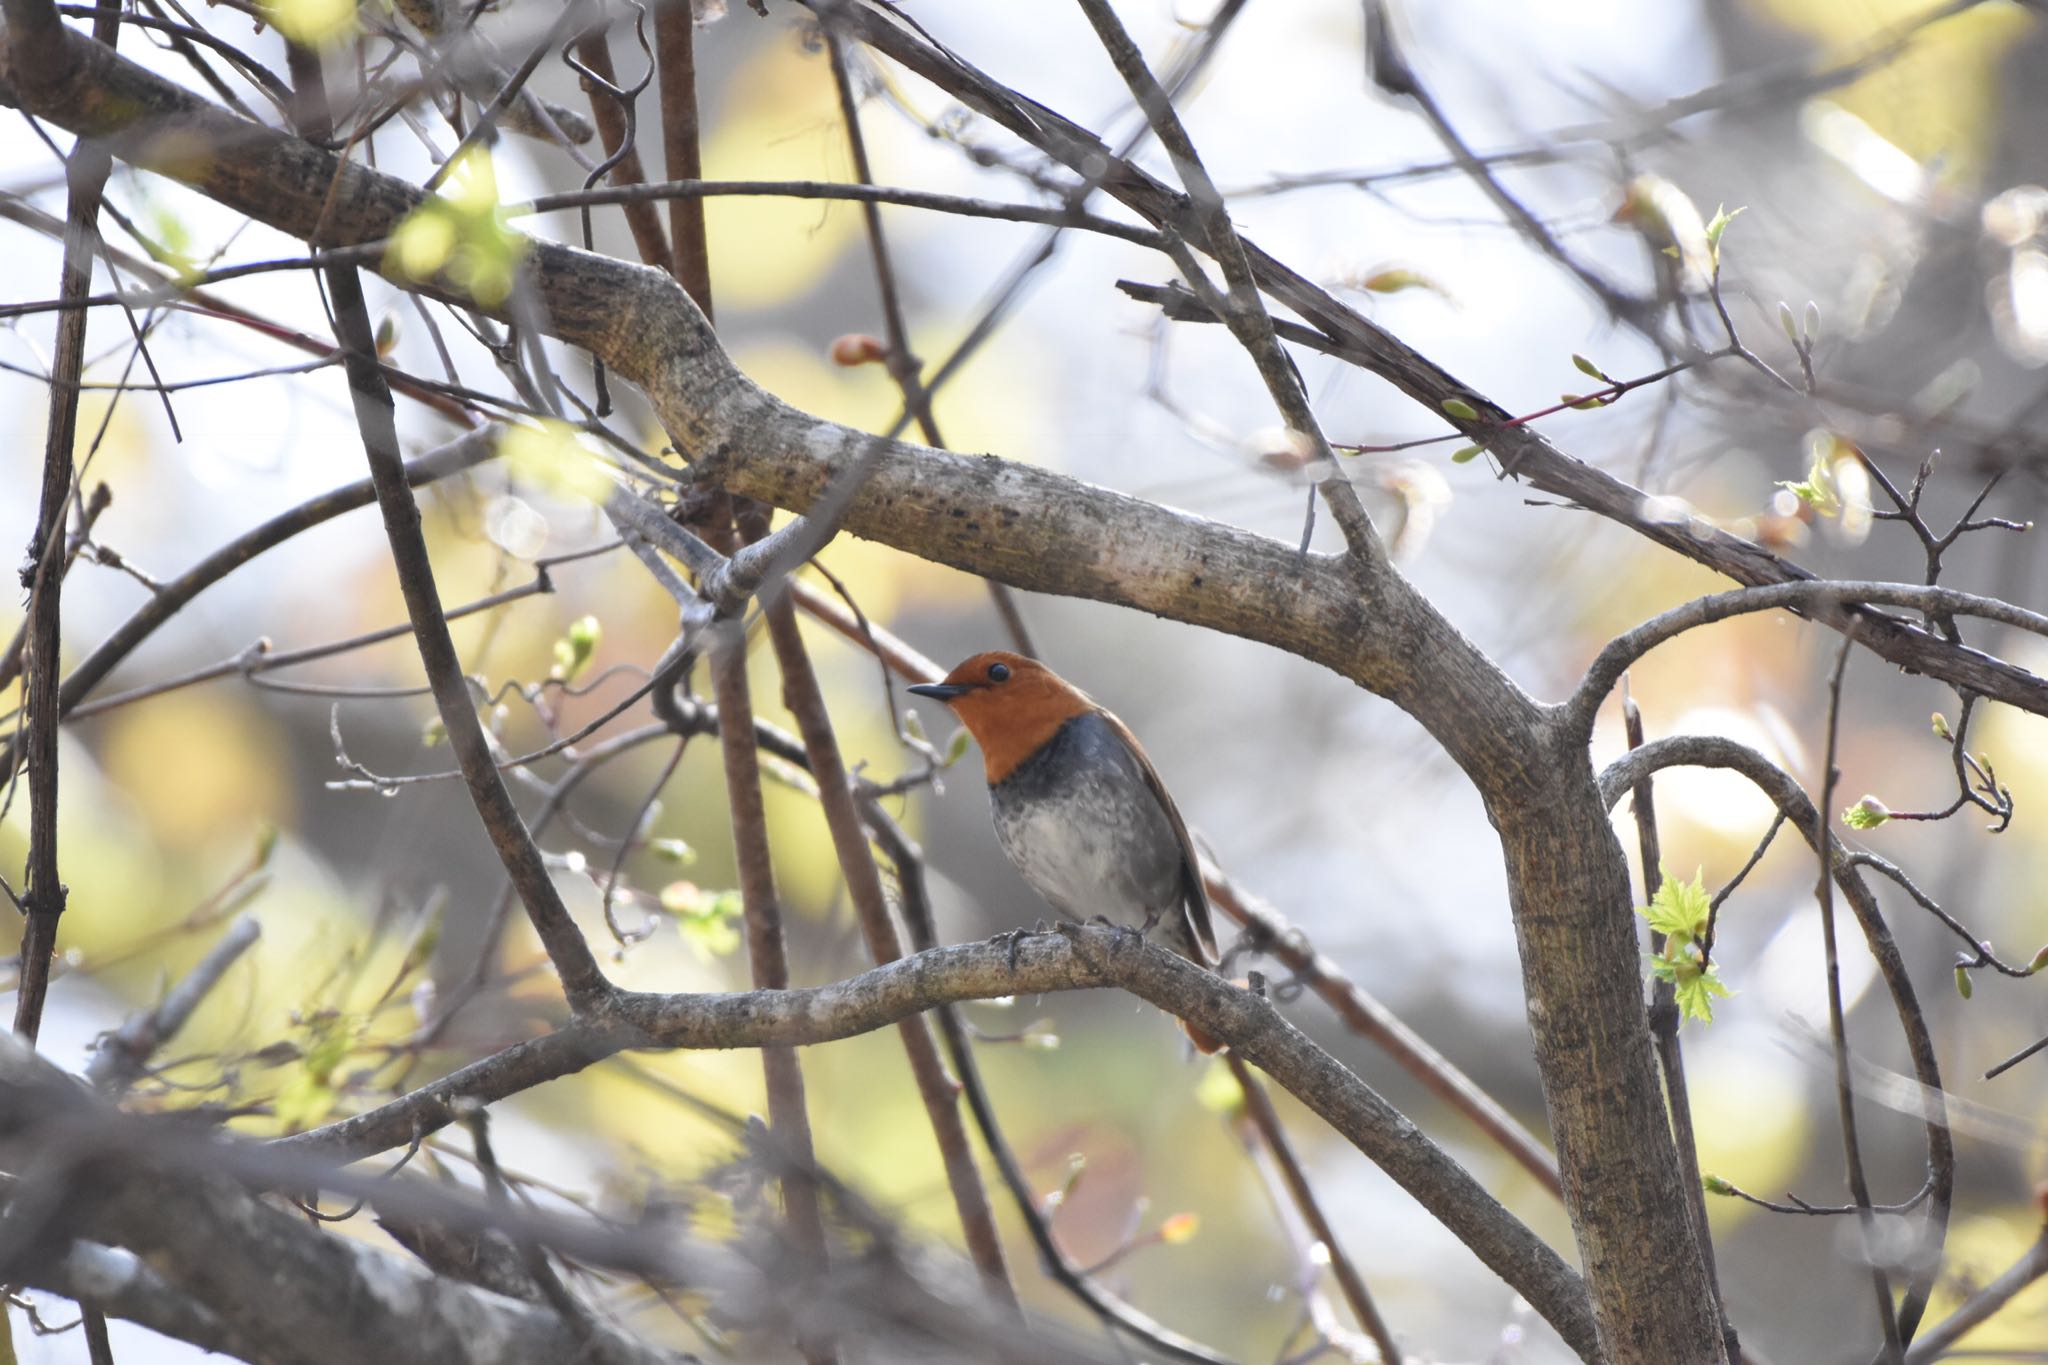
[
  {"x": 1938, "y": 99},
  {"x": 13, "y": 616},
  {"x": 337, "y": 992},
  {"x": 112, "y": 864},
  {"x": 199, "y": 765},
  {"x": 2015, "y": 741},
  {"x": 1720, "y": 680},
  {"x": 119, "y": 456},
  {"x": 670, "y": 1134},
  {"x": 2017, "y": 745},
  {"x": 879, "y": 1130},
  {"x": 1751, "y": 1120},
  {"x": 315, "y": 23},
  {"x": 780, "y": 122},
  {"x": 467, "y": 565},
  {"x": 1980, "y": 1249}
]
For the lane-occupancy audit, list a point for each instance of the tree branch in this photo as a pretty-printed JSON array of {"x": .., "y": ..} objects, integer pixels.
[
  {"x": 1709, "y": 751},
  {"x": 1077, "y": 958},
  {"x": 1829, "y": 601}
]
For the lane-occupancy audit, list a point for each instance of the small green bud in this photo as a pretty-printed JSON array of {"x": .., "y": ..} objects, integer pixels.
[
  {"x": 2040, "y": 959},
  {"x": 1586, "y": 366},
  {"x": 1941, "y": 730},
  {"x": 956, "y": 747},
  {"x": 1717, "y": 225},
  {"x": 1460, "y": 409},
  {"x": 1868, "y": 813},
  {"x": 1788, "y": 322},
  {"x": 574, "y": 650},
  {"x": 1963, "y": 986},
  {"x": 1811, "y": 328},
  {"x": 673, "y": 851},
  {"x": 1714, "y": 1184},
  {"x": 1465, "y": 454}
]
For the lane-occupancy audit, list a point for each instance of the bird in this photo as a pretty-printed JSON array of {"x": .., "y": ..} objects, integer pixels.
[{"x": 1078, "y": 806}]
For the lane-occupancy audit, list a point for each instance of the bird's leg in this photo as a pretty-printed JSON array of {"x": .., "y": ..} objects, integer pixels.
[
  {"x": 1013, "y": 939},
  {"x": 1125, "y": 934}
]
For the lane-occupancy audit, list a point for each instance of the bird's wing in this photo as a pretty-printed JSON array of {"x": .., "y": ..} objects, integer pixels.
[{"x": 1194, "y": 900}]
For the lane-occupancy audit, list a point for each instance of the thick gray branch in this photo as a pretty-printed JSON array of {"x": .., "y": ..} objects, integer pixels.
[{"x": 1044, "y": 962}]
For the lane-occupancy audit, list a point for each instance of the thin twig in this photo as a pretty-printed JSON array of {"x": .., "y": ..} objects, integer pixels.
[
  {"x": 1243, "y": 311},
  {"x": 1939, "y": 1341},
  {"x": 1664, "y": 1022},
  {"x": 805, "y": 700},
  {"x": 125, "y": 1053},
  {"x": 1845, "y": 1095},
  {"x": 1266, "y": 1120},
  {"x": 43, "y": 892},
  {"x": 582, "y": 980},
  {"x": 902, "y": 364},
  {"x": 863, "y": 193},
  {"x": 767, "y": 953},
  {"x": 1111, "y": 1310},
  {"x": 1798, "y": 808}
]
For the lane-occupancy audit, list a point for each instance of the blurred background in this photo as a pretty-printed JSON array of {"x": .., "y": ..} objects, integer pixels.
[{"x": 1888, "y": 160}]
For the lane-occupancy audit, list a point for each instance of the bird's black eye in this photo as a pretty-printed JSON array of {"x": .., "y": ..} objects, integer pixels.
[{"x": 998, "y": 672}]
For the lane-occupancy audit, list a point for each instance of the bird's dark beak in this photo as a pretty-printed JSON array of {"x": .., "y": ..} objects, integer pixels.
[{"x": 939, "y": 691}]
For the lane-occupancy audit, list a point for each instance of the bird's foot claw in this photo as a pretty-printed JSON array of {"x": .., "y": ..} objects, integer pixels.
[
  {"x": 1013, "y": 940},
  {"x": 1126, "y": 935}
]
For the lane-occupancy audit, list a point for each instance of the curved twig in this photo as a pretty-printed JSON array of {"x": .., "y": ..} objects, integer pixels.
[
  {"x": 1831, "y": 601},
  {"x": 1711, "y": 751}
]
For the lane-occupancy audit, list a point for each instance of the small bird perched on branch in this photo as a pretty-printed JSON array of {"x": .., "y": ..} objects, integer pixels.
[{"x": 1078, "y": 807}]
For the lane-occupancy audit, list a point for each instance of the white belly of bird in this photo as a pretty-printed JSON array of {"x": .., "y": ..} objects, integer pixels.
[{"x": 1077, "y": 851}]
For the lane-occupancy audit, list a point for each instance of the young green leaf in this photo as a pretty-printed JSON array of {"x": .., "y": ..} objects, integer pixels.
[
  {"x": 1460, "y": 409},
  {"x": 1679, "y": 910},
  {"x": 1695, "y": 994},
  {"x": 1718, "y": 224},
  {"x": 1818, "y": 490}
]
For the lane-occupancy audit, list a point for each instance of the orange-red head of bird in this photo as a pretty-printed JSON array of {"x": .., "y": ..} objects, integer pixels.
[{"x": 1010, "y": 704}]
